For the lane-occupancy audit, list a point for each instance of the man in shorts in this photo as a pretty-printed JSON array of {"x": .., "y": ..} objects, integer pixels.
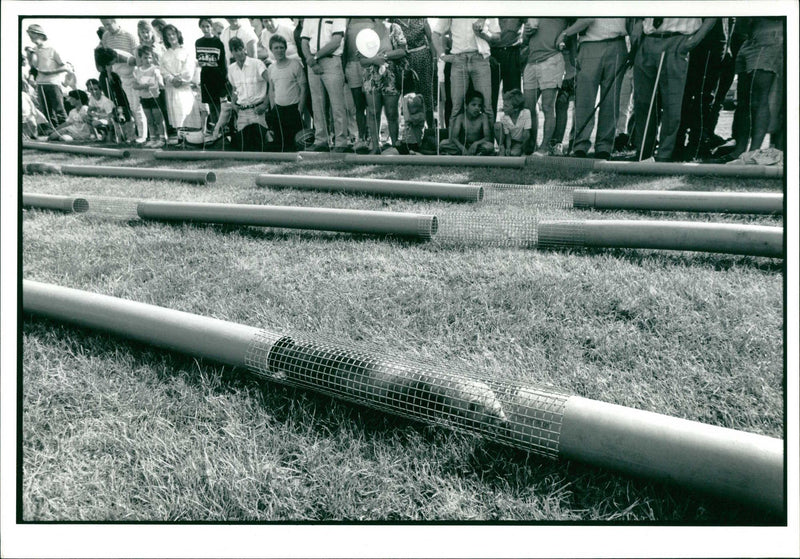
[{"x": 543, "y": 75}]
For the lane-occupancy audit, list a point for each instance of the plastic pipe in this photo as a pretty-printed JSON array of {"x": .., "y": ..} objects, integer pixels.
[
  {"x": 82, "y": 150},
  {"x": 717, "y": 460},
  {"x": 753, "y": 240},
  {"x": 454, "y": 160},
  {"x": 324, "y": 219},
  {"x": 199, "y": 155},
  {"x": 689, "y": 201},
  {"x": 53, "y": 202},
  {"x": 201, "y": 177},
  {"x": 443, "y": 191},
  {"x": 725, "y": 462},
  {"x": 700, "y": 169}
]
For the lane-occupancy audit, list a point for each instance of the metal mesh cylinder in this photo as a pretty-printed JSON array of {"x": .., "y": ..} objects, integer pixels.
[
  {"x": 522, "y": 416},
  {"x": 513, "y": 230},
  {"x": 567, "y": 234},
  {"x": 528, "y": 195}
]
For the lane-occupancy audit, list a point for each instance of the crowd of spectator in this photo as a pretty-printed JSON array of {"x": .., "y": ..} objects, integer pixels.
[{"x": 639, "y": 88}]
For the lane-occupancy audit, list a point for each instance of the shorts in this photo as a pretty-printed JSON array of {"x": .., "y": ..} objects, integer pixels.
[
  {"x": 763, "y": 51},
  {"x": 353, "y": 74},
  {"x": 547, "y": 74}
]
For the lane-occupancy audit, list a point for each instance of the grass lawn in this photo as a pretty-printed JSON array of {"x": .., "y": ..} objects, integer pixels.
[{"x": 115, "y": 430}]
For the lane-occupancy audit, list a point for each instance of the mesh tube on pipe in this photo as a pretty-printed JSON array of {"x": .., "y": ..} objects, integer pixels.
[
  {"x": 324, "y": 219},
  {"x": 724, "y": 462},
  {"x": 213, "y": 154},
  {"x": 454, "y": 160},
  {"x": 673, "y": 200},
  {"x": 752, "y": 240},
  {"x": 53, "y": 202},
  {"x": 80, "y": 150},
  {"x": 418, "y": 189}
]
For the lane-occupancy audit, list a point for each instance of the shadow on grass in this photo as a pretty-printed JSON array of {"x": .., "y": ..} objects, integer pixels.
[
  {"x": 681, "y": 259},
  {"x": 594, "y": 492}
]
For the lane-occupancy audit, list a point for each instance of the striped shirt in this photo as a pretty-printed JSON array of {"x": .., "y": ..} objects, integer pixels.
[
  {"x": 683, "y": 25},
  {"x": 124, "y": 41}
]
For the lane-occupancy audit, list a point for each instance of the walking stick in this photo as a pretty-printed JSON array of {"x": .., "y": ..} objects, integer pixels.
[{"x": 650, "y": 109}]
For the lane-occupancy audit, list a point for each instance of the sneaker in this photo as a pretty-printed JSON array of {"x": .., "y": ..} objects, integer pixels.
[
  {"x": 320, "y": 147},
  {"x": 557, "y": 150},
  {"x": 66, "y": 138},
  {"x": 343, "y": 149},
  {"x": 141, "y": 142},
  {"x": 579, "y": 153},
  {"x": 602, "y": 155},
  {"x": 173, "y": 140},
  {"x": 361, "y": 147}
]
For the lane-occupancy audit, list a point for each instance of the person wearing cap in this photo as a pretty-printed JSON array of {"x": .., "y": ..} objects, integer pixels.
[
  {"x": 322, "y": 42},
  {"x": 49, "y": 75},
  {"x": 601, "y": 56},
  {"x": 665, "y": 43},
  {"x": 124, "y": 44}
]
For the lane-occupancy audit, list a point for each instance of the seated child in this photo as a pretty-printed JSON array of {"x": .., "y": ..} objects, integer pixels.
[
  {"x": 30, "y": 115},
  {"x": 101, "y": 109},
  {"x": 473, "y": 127},
  {"x": 514, "y": 129},
  {"x": 148, "y": 82},
  {"x": 76, "y": 127},
  {"x": 414, "y": 123}
]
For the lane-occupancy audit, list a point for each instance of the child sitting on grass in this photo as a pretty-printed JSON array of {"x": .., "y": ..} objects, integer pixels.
[
  {"x": 514, "y": 129},
  {"x": 100, "y": 111},
  {"x": 76, "y": 127},
  {"x": 474, "y": 127},
  {"x": 147, "y": 80}
]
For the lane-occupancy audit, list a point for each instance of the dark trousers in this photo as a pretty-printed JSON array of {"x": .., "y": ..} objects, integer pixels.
[
  {"x": 702, "y": 78},
  {"x": 507, "y": 70},
  {"x": 285, "y": 123},
  {"x": 52, "y": 103}
]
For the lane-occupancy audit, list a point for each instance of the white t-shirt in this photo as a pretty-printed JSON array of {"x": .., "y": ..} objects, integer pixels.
[
  {"x": 515, "y": 129},
  {"x": 248, "y": 81},
  {"x": 104, "y": 105},
  {"x": 286, "y": 30}
]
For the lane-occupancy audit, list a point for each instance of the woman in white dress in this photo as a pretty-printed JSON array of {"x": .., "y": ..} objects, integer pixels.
[{"x": 178, "y": 69}]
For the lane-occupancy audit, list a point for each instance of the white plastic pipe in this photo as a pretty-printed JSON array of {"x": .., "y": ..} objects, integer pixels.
[
  {"x": 81, "y": 150},
  {"x": 454, "y": 160},
  {"x": 753, "y": 240},
  {"x": 724, "y": 462},
  {"x": 679, "y": 201},
  {"x": 323, "y": 219},
  {"x": 54, "y": 202},
  {"x": 698, "y": 169},
  {"x": 198, "y": 155},
  {"x": 438, "y": 190}
]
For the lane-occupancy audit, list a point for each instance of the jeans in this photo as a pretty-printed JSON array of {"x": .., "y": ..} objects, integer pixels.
[
  {"x": 332, "y": 81},
  {"x": 466, "y": 67}
]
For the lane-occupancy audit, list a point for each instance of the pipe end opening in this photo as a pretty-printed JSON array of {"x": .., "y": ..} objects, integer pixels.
[
  {"x": 211, "y": 177},
  {"x": 80, "y": 205}
]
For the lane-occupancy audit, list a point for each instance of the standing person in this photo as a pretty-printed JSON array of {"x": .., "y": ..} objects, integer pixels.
[
  {"x": 149, "y": 83},
  {"x": 287, "y": 95},
  {"x": 278, "y": 26},
  {"x": 758, "y": 64},
  {"x": 49, "y": 74},
  {"x": 505, "y": 46},
  {"x": 543, "y": 75},
  {"x": 243, "y": 32},
  {"x": 602, "y": 55},
  {"x": 702, "y": 76},
  {"x": 210, "y": 54},
  {"x": 177, "y": 67},
  {"x": 323, "y": 44},
  {"x": 665, "y": 43},
  {"x": 421, "y": 61},
  {"x": 469, "y": 56},
  {"x": 353, "y": 74},
  {"x": 382, "y": 75},
  {"x": 150, "y": 37},
  {"x": 125, "y": 45}
]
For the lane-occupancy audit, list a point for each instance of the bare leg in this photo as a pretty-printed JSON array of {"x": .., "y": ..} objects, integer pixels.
[{"x": 531, "y": 96}]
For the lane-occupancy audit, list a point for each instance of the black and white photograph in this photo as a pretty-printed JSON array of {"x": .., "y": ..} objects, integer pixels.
[{"x": 362, "y": 279}]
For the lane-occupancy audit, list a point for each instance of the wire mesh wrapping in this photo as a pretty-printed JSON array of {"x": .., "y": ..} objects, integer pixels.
[
  {"x": 525, "y": 417},
  {"x": 530, "y": 195},
  {"x": 562, "y": 234},
  {"x": 512, "y": 229}
]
